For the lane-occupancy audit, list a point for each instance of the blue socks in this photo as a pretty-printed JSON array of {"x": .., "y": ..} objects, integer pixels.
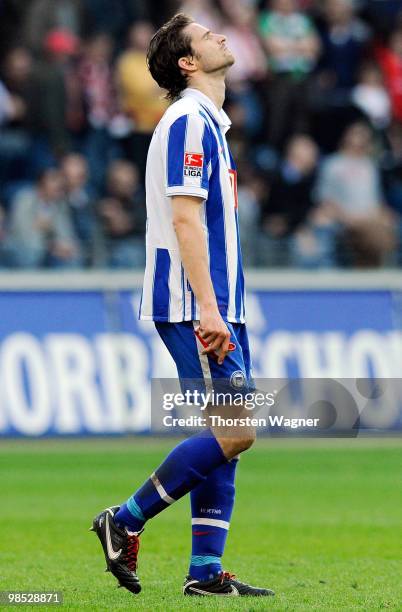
[
  {"x": 186, "y": 466},
  {"x": 211, "y": 508}
]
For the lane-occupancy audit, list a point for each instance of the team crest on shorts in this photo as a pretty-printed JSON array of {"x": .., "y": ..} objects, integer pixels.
[
  {"x": 238, "y": 379},
  {"x": 193, "y": 163}
]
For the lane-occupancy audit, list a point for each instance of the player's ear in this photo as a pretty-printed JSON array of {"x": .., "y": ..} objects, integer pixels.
[{"x": 187, "y": 63}]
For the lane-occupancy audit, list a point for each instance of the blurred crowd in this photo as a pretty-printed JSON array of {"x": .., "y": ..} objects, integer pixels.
[{"x": 315, "y": 99}]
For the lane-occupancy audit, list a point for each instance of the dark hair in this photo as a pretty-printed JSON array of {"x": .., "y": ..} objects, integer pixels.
[
  {"x": 44, "y": 172},
  {"x": 167, "y": 46}
]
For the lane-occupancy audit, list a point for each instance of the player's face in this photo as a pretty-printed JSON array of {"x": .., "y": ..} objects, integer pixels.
[{"x": 210, "y": 49}]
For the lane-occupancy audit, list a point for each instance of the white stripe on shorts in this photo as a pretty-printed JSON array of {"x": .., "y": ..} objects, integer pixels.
[{"x": 204, "y": 362}]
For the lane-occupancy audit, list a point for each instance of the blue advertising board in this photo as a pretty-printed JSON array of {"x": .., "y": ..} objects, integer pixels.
[{"x": 80, "y": 363}]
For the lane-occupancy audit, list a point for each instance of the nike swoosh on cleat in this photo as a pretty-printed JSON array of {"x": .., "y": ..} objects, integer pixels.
[
  {"x": 112, "y": 554},
  {"x": 233, "y": 592}
]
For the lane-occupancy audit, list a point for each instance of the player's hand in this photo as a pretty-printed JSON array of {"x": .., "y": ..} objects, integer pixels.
[{"x": 214, "y": 331}]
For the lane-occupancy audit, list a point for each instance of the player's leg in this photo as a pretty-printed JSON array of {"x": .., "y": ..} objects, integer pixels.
[
  {"x": 209, "y": 534},
  {"x": 186, "y": 466},
  {"x": 212, "y": 501},
  {"x": 118, "y": 528}
]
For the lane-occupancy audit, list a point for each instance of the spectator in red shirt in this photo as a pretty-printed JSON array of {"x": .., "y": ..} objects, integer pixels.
[{"x": 390, "y": 60}]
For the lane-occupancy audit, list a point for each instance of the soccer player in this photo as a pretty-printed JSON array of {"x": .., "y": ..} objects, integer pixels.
[{"x": 194, "y": 292}]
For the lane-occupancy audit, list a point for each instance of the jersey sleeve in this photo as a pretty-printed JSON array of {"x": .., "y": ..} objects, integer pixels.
[{"x": 188, "y": 157}]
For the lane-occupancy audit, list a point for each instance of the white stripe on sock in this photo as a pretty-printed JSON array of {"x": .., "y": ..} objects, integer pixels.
[
  {"x": 212, "y": 522},
  {"x": 166, "y": 498}
]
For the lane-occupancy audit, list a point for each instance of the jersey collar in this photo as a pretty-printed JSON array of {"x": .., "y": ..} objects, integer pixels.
[{"x": 220, "y": 116}]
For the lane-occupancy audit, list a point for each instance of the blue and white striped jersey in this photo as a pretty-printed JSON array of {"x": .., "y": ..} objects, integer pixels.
[{"x": 189, "y": 155}]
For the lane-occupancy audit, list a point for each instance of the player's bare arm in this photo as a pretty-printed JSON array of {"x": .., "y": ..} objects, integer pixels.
[{"x": 193, "y": 251}]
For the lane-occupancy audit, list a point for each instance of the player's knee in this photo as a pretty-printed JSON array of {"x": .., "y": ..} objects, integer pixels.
[
  {"x": 242, "y": 444},
  {"x": 237, "y": 445},
  {"x": 245, "y": 442}
]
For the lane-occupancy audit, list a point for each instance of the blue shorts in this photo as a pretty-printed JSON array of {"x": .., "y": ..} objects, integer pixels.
[{"x": 199, "y": 371}]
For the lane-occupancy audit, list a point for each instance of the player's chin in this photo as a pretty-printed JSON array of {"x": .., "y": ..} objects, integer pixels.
[
  {"x": 229, "y": 58},
  {"x": 228, "y": 61}
]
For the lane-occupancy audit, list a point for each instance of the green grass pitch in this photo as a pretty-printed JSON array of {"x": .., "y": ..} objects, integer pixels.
[{"x": 318, "y": 521}]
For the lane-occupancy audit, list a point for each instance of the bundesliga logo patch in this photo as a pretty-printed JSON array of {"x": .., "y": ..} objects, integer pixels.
[{"x": 193, "y": 163}]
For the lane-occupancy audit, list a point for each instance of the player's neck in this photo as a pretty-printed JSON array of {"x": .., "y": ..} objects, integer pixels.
[{"x": 213, "y": 88}]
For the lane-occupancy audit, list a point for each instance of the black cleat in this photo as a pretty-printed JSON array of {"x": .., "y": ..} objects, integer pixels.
[
  {"x": 120, "y": 548},
  {"x": 223, "y": 585}
]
